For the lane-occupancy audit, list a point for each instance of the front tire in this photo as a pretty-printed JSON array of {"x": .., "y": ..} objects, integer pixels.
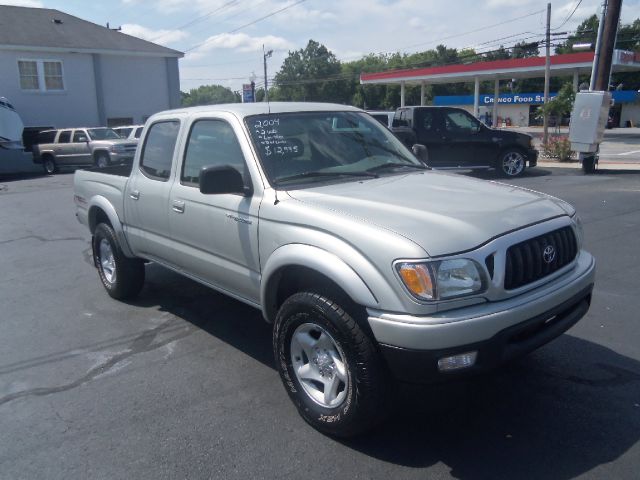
[
  {"x": 102, "y": 160},
  {"x": 511, "y": 163},
  {"x": 122, "y": 277},
  {"x": 330, "y": 367}
]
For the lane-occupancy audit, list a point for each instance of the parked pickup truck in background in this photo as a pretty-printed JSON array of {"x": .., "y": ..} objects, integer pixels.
[
  {"x": 130, "y": 132},
  {"x": 369, "y": 264},
  {"x": 76, "y": 147},
  {"x": 457, "y": 140}
]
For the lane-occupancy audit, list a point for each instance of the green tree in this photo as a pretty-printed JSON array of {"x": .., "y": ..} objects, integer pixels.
[
  {"x": 311, "y": 74},
  {"x": 525, "y": 49},
  {"x": 560, "y": 105},
  {"x": 209, "y": 95},
  {"x": 586, "y": 32}
]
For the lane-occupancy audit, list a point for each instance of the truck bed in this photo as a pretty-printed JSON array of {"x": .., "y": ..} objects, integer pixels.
[
  {"x": 109, "y": 183},
  {"x": 122, "y": 169}
]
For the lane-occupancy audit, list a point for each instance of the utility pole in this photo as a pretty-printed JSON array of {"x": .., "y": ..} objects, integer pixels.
[
  {"x": 596, "y": 56},
  {"x": 266, "y": 86},
  {"x": 611, "y": 19},
  {"x": 547, "y": 76}
]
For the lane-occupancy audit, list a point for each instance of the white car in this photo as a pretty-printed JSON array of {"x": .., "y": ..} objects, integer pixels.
[{"x": 130, "y": 132}]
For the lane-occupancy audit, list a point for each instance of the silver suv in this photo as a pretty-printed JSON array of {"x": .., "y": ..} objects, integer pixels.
[{"x": 76, "y": 147}]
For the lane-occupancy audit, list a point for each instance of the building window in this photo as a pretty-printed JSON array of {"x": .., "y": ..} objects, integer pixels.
[
  {"x": 28, "y": 75},
  {"x": 41, "y": 75},
  {"x": 53, "y": 75}
]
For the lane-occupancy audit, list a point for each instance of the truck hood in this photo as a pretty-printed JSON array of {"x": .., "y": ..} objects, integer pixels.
[{"x": 443, "y": 213}]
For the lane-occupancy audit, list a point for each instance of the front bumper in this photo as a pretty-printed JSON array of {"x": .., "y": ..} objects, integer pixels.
[
  {"x": 115, "y": 158},
  {"x": 498, "y": 331},
  {"x": 532, "y": 157}
]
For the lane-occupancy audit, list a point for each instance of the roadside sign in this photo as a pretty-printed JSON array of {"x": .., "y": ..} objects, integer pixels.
[{"x": 247, "y": 93}]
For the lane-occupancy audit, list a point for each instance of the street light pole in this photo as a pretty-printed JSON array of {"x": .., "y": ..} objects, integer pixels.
[
  {"x": 547, "y": 76},
  {"x": 266, "y": 55}
]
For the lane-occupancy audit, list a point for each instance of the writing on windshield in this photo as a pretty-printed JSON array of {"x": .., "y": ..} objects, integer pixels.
[{"x": 323, "y": 146}]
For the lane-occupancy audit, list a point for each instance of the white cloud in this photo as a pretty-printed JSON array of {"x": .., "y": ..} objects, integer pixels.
[
  {"x": 23, "y": 3},
  {"x": 163, "y": 37},
  {"x": 241, "y": 42}
]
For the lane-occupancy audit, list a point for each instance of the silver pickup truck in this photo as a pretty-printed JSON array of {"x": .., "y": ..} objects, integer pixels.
[
  {"x": 370, "y": 266},
  {"x": 77, "y": 147}
]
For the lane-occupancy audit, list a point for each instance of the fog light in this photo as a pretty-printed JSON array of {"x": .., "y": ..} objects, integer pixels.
[{"x": 457, "y": 362}]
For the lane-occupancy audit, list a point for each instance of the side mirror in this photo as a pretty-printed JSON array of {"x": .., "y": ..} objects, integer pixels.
[
  {"x": 421, "y": 153},
  {"x": 225, "y": 179}
]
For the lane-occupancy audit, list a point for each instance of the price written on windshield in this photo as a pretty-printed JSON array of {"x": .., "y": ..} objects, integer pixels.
[{"x": 269, "y": 137}]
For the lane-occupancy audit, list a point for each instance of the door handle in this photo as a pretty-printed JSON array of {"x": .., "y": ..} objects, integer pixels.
[
  {"x": 135, "y": 194},
  {"x": 177, "y": 206}
]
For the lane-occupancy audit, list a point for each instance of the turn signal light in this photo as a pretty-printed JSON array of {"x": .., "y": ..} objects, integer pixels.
[{"x": 417, "y": 278}]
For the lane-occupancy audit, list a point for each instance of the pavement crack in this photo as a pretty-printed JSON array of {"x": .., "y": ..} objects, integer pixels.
[
  {"x": 42, "y": 239},
  {"x": 141, "y": 344}
]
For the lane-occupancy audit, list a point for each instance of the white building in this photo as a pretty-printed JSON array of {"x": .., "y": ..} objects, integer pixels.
[{"x": 61, "y": 71}]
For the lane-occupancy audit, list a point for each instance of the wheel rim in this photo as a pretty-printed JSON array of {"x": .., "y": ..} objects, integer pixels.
[
  {"x": 107, "y": 261},
  {"x": 102, "y": 161},
  {"x": 513, "y": 163},
  {"x": 319, "y": 365},
  {"x": 48, "y": 166}
]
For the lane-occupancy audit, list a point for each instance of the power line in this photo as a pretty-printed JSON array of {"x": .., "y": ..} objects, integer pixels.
[
  {"x": 275, "y": 12},
  {"x": 198, "y": 19},
  {"x": 569, "y": 16},
  {"x": 473, "y": 31}
]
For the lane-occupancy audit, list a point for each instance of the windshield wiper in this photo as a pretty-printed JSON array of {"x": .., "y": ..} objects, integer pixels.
[
  {"x": 326, "y": 174},
  {"x": 384, "y": 166}
]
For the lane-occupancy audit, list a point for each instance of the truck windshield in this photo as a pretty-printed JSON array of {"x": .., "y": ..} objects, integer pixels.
[
  {"x": 103, "y": 134},
  {"x": 315, "y": 147}
]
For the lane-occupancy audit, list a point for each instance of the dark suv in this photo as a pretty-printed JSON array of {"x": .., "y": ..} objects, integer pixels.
[{"x": 457, "y": 140}]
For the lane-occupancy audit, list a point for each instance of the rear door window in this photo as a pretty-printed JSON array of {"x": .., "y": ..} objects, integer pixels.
[{"x": 158, "y": 148}]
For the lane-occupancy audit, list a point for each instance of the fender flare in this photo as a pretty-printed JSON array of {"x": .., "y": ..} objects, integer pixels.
[
  {"x": 314, "y": 258},
  {"x": 99, "y": 202}
]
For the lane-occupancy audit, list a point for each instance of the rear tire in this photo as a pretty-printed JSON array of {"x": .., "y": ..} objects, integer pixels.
[
  {"x": 330, "y": 367},
  {"x": 49, "y": 165},
  {"x": 121, "y": 276}
]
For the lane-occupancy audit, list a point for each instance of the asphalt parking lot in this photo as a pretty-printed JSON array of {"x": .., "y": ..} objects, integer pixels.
[{"x": 181, "y": 382}]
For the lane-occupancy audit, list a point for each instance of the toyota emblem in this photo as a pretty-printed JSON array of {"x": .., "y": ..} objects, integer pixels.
[{"x": 549, "y": 254}]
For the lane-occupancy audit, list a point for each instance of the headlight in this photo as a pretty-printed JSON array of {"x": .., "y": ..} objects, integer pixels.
[
  {"x": 441, "y": 280},
  {"x": 579, "y": 230},
  {"x": 117, "y": 148}
]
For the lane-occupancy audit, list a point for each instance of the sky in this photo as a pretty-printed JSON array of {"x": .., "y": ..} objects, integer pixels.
[{"x": 223, "y": 39}]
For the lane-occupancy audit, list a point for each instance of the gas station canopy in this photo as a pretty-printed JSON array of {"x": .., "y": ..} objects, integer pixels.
[{"x": 571, "y": 64}]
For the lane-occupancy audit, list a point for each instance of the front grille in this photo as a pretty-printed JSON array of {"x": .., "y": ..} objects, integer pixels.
[{"x": 528, "y": 261}]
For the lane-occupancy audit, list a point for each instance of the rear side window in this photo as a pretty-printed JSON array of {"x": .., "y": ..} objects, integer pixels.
[
  {"x": 212, "y": 143},
  {"x": 65, "y": 136},
  {"x": 46, "y": 137},
  {"x": 157, "y": 152}
]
